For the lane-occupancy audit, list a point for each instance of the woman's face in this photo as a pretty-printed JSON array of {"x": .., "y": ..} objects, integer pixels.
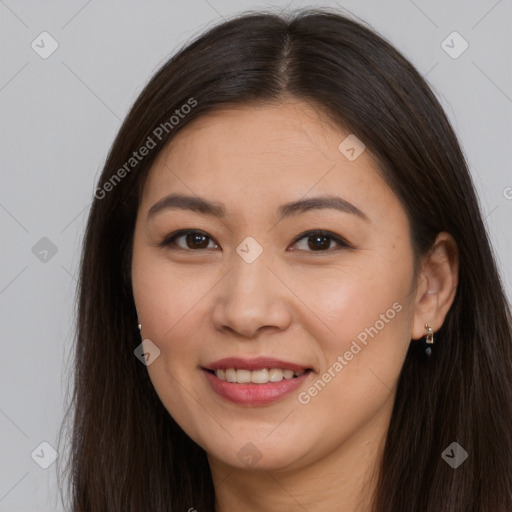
[{"x": 244, "y": 285}]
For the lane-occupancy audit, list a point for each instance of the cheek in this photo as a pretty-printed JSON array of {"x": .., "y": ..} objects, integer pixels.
[
  {"x": 169, "y": 306},
  {"x": 350, "y": 298},
  {"x": 171, "y": 320},
  {"x": 363, "y": 353},
  {"x": 366, "y": 318},
  {"x": 165, "y": 295}
]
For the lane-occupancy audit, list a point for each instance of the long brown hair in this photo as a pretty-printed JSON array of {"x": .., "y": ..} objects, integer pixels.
[{"x": 127, "y": 453}]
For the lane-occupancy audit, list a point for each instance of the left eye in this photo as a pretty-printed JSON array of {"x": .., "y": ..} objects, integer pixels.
[
  {"x": 317, "y": 241},
  {"x": 320, "y": 241}
]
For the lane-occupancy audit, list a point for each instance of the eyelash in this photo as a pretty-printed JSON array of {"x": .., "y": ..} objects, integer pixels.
[{"x": 169, "y": 240}]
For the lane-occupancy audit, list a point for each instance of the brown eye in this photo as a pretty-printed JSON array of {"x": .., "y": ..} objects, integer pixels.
[
  {"x": 192, "y": 240},
  {"x": 317, "y": 241},
  {"x": 320, "y": 241}
]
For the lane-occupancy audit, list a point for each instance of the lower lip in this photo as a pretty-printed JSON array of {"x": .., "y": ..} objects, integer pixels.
[{"x": 254, "y": 394}]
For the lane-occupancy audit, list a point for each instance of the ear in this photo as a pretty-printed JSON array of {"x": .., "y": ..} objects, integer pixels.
[{"x": 437, "y": 285}]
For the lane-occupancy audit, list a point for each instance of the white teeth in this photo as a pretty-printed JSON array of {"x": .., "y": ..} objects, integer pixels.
[
  {"x": 257, "y": 376},
  {"x": 230, "y": 375},
  {"x": 275, "y": 375},
  {"x": 243, "y": 376}
]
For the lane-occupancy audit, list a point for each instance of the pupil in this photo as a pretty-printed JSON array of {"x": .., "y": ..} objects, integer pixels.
[
  {"x": 196, "y": 237},
  {"x": 317, "y": 238}
]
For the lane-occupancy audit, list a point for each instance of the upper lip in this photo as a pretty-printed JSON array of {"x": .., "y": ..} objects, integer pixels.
[{"x": 257, "y": 363}]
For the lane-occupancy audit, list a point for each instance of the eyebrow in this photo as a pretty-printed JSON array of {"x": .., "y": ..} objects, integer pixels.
[{"x": 216, "y": 209}]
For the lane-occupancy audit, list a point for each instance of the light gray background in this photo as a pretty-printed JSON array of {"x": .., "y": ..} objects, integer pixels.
[{"x": 59, "y": 117}]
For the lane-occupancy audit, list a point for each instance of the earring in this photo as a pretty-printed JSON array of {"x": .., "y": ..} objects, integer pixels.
[
  {"x": 139, "y": 326},
  {"x": 430, "y": 335}
]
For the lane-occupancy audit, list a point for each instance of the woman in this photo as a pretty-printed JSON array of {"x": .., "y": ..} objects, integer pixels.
[{"x": 288, "y": 299}]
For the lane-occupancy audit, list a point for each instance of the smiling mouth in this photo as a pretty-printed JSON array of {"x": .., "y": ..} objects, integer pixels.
[{"x": 262, "y": 376}]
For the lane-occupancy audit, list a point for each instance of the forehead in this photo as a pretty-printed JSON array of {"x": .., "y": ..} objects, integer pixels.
[
  {"x": 251, "y": 156},
  {"x": 273, "y": 133}
]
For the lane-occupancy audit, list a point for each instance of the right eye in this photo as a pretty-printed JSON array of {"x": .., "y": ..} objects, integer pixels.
[{"x": 193, "y": 240}]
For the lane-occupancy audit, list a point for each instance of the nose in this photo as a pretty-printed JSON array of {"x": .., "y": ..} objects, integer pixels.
[{"x": 252, "y": 298}]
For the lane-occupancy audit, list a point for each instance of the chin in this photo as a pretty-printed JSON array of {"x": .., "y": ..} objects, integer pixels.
[{"x": 253, "y": 457}]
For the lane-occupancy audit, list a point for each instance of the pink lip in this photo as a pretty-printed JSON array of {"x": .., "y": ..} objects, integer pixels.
[
  {"x": 257, "y": 363},
  {"x": 255, "y": 394}
]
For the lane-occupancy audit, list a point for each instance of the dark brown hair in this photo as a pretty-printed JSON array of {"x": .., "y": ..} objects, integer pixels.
[{"x": 127, "y": 453}]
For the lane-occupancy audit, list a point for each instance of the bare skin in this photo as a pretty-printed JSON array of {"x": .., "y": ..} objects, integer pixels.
[{"x": 200, "y": 301}]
